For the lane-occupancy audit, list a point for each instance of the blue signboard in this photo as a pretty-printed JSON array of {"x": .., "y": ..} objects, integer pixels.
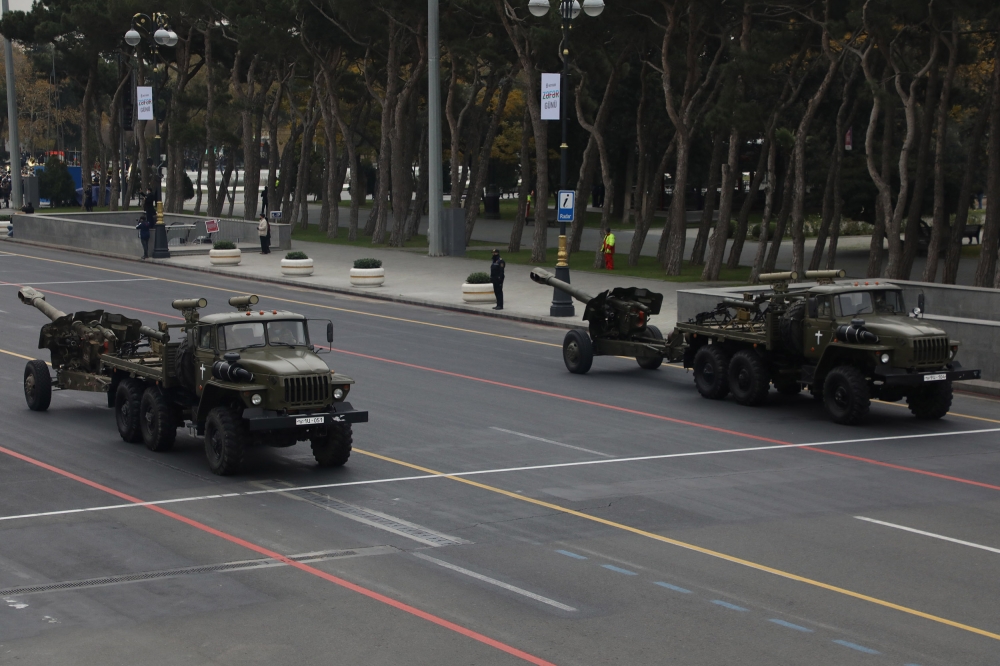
[{"x": 567, "y": 205}]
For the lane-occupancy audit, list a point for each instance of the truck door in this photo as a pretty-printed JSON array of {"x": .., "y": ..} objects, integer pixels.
[
  {"x": 819, "y": 327},
  {"x": 205, "y": 355}
]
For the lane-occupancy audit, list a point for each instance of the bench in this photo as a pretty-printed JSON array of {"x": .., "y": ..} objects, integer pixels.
[{"x": 972, "y": 232}]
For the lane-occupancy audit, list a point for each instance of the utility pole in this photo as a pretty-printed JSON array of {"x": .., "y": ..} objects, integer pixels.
[
  {"x": 435, "y": 160},
  {"x": 15, "y": 143}
]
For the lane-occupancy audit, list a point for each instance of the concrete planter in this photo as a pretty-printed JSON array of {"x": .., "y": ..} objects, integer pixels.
[
  {"x": 225, "y": 257},
  {"x": 367, "y": 277},
  {"x": 298, "y": 267},
  {"x": 478, "y": 293}
]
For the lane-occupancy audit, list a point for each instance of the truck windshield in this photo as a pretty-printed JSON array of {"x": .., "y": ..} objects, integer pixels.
[
  {"x": 863, "y": 302},
  {"x": 287, "y": 333},
  {"x": 241, "y": 336}
]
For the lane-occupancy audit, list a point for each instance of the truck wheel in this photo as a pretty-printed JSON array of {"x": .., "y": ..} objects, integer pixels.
[
  {"x": 748, "y": 378},
  {"x": 711, "y": 364},
  {"x": 156, "y": 421},
  {"x": 225, "y": 441},
  {"x": 846, "y": 395},
  {"x": 127, "y": 404},
  {"x": 578, "y": 352},
  {"x": 334, "y": 449},
  {"x": 651, "y": 362},
  {"x": 931, "y": 402},
  {"x": 37, "y": 386}
]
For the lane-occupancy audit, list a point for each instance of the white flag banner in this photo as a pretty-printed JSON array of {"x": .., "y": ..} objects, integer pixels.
[
  {"x": 551, "y": 89},
  {"x": 144, "y": 102}
]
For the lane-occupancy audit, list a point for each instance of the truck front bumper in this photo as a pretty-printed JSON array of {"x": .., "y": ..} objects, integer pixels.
[
  {"x": 952, "y": 373},
  {"x": 341, "y": 413}
]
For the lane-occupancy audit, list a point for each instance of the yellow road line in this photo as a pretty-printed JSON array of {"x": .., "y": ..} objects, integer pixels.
[
  {"x": 964, "y": 416},
  {"x": 26, "y": 358},
  {"x": 692, "y": 547}
]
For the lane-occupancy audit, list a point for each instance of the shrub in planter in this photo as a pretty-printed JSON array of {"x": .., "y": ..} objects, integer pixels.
[
  {"x": 225, "y": 253},
  {"x": 296, "y": 263},
  {"x": 367, "y": 273},
  {"x": 296, "y": 256},
  {"x": 478, "y": 289},
  {"x": 224, "y": 245},
  {"x": 478, "y": 278}
]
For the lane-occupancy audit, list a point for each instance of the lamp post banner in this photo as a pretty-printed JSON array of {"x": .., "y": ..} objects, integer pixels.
[
  {"x": 144, "y": 102},
  {"x": 551, "y": 94}
]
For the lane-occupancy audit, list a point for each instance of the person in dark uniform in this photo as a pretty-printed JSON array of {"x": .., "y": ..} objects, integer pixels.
[
  {"x": 149, "y": 206},
  {"x": 264, "y": 210},
  {"x": 496, "y": 277}
]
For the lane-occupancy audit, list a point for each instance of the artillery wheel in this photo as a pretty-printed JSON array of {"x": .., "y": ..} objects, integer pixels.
[
  {"x": 711, "y": 364},
  {"x": 37, "y": 386},
  {"x": 578, "y": 351},
  {"x": 846, "y": 395},
  {"x": 931, "y": 402},
  {"x": 127, "y": 405},
  {"x": 156, "y": 420},
  {"x": 651, "y": 362},
  {"x": 748, "y": 378},
  {"x": 334, "y": 449},
  {"x": 225, "y": 441}
]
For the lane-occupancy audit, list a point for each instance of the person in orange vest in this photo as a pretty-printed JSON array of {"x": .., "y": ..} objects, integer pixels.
[{"x": 608, "y": 249}]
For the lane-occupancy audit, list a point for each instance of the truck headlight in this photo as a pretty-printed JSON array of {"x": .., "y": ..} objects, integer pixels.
[
  {"x": 884, "y": 358},
  {"x": 338, "y": 394},
  {"x": 256, "y": 399}
]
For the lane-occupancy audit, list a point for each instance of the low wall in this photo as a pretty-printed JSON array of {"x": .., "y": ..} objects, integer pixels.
[
  {"x": 970, "y": 315},
  {"x": 92, "y": 237},
  {"x": 113, "y": 238}
]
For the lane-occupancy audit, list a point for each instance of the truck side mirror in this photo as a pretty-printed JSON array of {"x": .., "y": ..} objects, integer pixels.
[{"x": 329, "y": 332}]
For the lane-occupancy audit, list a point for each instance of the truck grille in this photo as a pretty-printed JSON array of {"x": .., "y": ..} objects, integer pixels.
[
  {"x": 307, "y": 390},
  {"x": 930, "y": 351}
]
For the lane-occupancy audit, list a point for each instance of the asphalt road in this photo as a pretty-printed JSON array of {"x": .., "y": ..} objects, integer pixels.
[{"x": 496, "y": 510}]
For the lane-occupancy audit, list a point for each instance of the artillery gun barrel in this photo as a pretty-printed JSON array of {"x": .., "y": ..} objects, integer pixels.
[
  {"x": 153, "y": 334},
  {"x": 740, "y": 303},
  {"x": 542, "y": 276},
  {"x": 826, "y": 275},
  {"x": 29, "y": 296},
  {"x": 779, "y": 277},
  {"x": 189, "y": 303}
]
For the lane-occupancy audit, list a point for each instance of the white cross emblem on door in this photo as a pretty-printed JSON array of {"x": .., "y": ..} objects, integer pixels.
[
  {"x": 819, "y": 337},
  {"x": 202, "y": 370}
]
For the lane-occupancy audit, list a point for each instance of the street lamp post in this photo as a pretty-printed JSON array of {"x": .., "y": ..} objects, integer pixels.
[
  {"x": 157, "y": 33},
  {"x": 562, "y": 303}
]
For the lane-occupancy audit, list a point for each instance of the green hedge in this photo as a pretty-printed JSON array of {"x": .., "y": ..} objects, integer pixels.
[
  {"x": 224, "y": 245},
  {"x": 478, "y": 278},
  {"x": 296, "y": 256},
  {"x": 368, "y": 263}
]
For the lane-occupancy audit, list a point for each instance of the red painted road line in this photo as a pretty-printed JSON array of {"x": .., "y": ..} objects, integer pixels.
[
  {"x": 701, "y": 426},
  {"x": 371, "y": 594}
]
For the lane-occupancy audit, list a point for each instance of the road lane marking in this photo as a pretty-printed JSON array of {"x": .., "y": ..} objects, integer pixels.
[
  {"x": 699, "y": 549},
  {"x": 569, "y": 554},
  {"x": 267, "y": 552},
  {"x": 855, "y": 646},
  {"x": 39, "y": 284},
  {"x": 494, "y": 581},
  {"x": 549, "y": 441},
  {"x": 502, "y": 470},
  {"x": 930, "y": 534},
  {"x": 673, "y": 587},
  {"x": 789, "y": 625},
  {"x": 726, "y": 604},
  {"x": 16, "y": 355},
  {"x": 611, "y": 567}
]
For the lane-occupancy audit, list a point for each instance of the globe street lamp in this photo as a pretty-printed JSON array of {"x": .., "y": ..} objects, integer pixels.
[
  {"x": 562, "y": 303},
  {"x": 156, "y": 31}
]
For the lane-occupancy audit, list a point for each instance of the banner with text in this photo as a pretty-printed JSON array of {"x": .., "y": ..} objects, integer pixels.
[
  {"x": 144, "y": 102},
  {"x": 551, "y": 96}
]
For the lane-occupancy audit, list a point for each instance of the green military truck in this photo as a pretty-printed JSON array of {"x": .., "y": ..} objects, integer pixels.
[
  {"x": 243, "y": 378},
  {"x": 846, "y": 342}
]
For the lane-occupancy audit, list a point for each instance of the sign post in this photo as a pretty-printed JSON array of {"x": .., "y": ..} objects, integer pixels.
[
  {"x": 144, "y": 102},
  {"x": 551, "y": 96},
  {"x": 567, "y": 205}
]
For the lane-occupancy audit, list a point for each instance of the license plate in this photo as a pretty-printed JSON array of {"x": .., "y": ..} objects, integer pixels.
[
  {"x": 935, "y": 378},
  {"x": 310, "y": 420}
]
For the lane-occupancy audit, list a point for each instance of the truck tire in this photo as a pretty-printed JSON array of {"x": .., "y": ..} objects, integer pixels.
[
  {"x": 37, "y": 386},
  {"x": 846, "y": 395},
  {"x": 931, "y": 402},
  {"x": 127, "y": 405},
  {"x": 578, "y": 351},
  {"x": 749, "y": 380},
  {"x": 790, "y": 326},
  {"x": 225, "y": 441},
  {"x": 334, "y": 449},
  {"x": 711, "y": 366},
  {"x": 156, "y": 421},
  {"x": 651, "y": 362}
]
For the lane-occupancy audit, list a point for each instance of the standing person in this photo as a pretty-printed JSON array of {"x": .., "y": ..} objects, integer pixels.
[
  {"x": 527, "y": 214},
  {"x": 264, "y": 210},
  {"x": 143, "y": 226},
  {"x": 608, "y": 248},
  {"x": 497, "y": 276},
  {"x": 264, "y": 231},
  {"x": 88, "y": 199},
  {"x": 5, "y": 190},
  {"x": 149, "y": 206}
]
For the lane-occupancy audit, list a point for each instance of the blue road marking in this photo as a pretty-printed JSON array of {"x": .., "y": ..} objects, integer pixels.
[
  {"x": 619, "y": 570},
  {"x": 569, "y": 554},
  {"x": 790, "y": 625},
  {"x": 726, "y": 604},
  {"x": 673, "y": 587},
  {"x": 855, "y": 646}
]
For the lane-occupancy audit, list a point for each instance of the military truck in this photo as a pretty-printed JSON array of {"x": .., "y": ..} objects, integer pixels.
[
  {"x": 846, "y": 342},
  {"x": 244, "y": 378}
]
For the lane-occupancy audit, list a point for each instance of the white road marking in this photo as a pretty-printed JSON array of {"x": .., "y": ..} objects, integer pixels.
[
  {"x": 929, "y": 534},
  {"x": 494, "y": 581},
  {"x": 501, "y": 470},
  {"x": 549, "y": 441},
  {"x": 37, "y": 284}
]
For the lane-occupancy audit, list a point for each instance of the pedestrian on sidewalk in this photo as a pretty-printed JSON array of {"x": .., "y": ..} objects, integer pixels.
[
  {"x": 264, "y": 210},
  {"x": 88, "y": 199},
  {"x": 497, "y": 276},
  {"x": 149, "y": 205},
  {"x": 143, "y": 227},
  {"x": 608, "y": 249},
  {"x": 264, "y": 231}
]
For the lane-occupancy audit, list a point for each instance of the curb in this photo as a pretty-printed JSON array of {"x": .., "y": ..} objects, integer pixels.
[{"x": 403, "y": 300}]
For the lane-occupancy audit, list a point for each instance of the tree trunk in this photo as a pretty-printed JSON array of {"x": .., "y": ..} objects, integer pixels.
[
  {"x": 783, "y": 213},
  {"x": 743, "y": 220},
  {"x": 86, "y": 161},
  {"x": 584, "y": 186},
  {"x": 916, "y": 207},
  {"x": 524, "y": 190},
  {"x": 986, "y": 269},
  {"x": 210, "y": 147},
  {"x": 485, "y": 151},
  {"x": 765, "y": 221},
  {"x": 730, "y": 174},
  {"x": 650, "y": 186},
  {"x": 423, "y": 192},
  {"x": 198, "y": 187},
  {"x": 708, "y": 211},
  {"x": 939, "y": 227},
  {"x": 300, "y": 206}
]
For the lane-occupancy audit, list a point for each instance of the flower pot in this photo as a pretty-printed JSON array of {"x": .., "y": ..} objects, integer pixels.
[
  {"x": 478, "y": 293},
  {"x": 367, "y": 277},
  {"x": 225, "y": 257},
  {"x": 297, "y": 267}
]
